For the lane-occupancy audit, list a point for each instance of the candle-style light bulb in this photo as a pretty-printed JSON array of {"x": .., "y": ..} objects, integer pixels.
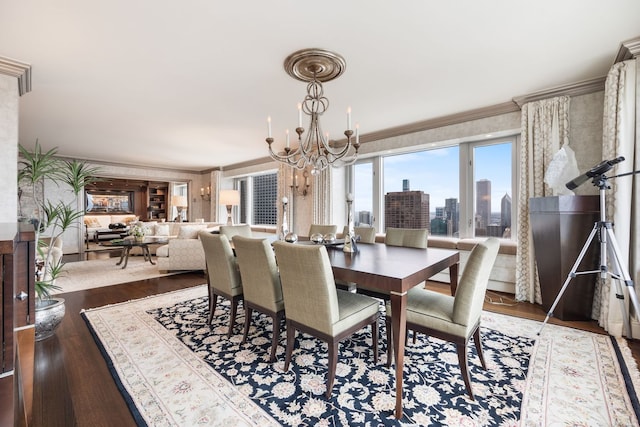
[
  {"x": 299, "y": 115},
  {"x": 357, "y": 133},
  {"x": 349, "y": 197},
  {"x": 349, "y": 118},
  {"x": 285, "y": 200},
  {"x": 287, "y": 139},
  {"x": 269, "y": 126}
]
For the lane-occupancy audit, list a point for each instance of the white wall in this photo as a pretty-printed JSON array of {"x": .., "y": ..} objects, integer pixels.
[{"x": 9, "y": 148}]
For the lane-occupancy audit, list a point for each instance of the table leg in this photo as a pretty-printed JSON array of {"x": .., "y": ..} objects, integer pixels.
[
  {"x": 453, "y": 278},
  {"x": 126, "y": 256},
  {"x": 398, "y": 325},
  {"x": 147, "y": 254},
  {"x": 124, "y": 250}
]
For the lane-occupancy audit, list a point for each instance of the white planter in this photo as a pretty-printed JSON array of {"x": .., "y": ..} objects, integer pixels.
[{"x": 49, "y": 314}]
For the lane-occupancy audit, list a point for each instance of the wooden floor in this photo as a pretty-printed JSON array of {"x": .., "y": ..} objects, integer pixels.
[{"x": 73, "y": 386}]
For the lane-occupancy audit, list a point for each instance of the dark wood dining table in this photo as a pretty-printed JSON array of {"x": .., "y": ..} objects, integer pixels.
[{"x": 394, "y": 269}]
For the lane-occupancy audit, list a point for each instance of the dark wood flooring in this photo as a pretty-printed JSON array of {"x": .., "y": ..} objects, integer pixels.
[{"x": 73, "y": 386}]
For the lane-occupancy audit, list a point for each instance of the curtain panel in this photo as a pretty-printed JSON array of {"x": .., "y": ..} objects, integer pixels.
[
  {"x": 620, "y": 138},
  {"x": 544, "y": 129}
]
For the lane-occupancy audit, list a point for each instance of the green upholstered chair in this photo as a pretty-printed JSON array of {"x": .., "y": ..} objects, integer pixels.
[
  {"x": 223, "y": 275},
  {"x": 260, "y": 284},
  {"x": 243, "y": 230},
  {"x": 366, "y": 234},
  {"x": 453, "y": 318},
  {"x": 406, "y": 237},
  {"x": 322, "y": 229},
  {"x": 315, "y": 306}
]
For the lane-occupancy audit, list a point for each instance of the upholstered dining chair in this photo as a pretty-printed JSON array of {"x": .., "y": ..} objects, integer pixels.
[
  {"x": 243, "y": 230},
  {"x": 322, "y": 229},
  {"x": 223, "y": 275},
  {"x": 315, "y": 306},
  {"x": 261, "y": 284},
  {"x": 366, "y": 234},
  {"x": 406, "y": 237},
  {"x": 453, "y": 318}
]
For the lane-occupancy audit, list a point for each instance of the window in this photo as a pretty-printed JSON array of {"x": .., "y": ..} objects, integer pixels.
[
  {"x": 430, "y": 189},
  {"x": 363, "y": 194},
  {"x": 421, "y": 190},
  {"x": 493, "y": 184},
  {"x": 258, "y": 197}
]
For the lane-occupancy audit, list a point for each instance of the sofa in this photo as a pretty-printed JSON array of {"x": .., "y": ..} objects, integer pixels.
[
  {"x": 100, "y": 223},
  {"x": 186, "y": 252}
]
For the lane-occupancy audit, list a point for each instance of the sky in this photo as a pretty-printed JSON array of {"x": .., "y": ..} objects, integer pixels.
[{"x": 436, "y": 172}]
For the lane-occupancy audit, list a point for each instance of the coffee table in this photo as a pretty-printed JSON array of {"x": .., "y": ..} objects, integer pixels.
[{"x": 128, "y": 243}]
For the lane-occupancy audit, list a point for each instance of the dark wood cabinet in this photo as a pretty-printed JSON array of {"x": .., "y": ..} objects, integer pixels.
[
  {"x": 17, "y": 268},
  {"x": 560, "y": 226},
  {"x": 158, "y": 200}
]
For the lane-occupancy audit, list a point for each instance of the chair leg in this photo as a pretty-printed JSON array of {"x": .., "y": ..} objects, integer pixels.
[
  {"x": 374, "y": 335},
  {"x": 478, "y": 343},
  {"x": 247, "y": 321},
  {"x": 333, "y": 363},
  {"x": 291, "y": 336},
  {"x": 464, "y": 368},
  {"x": 232, "y": 318},
  {"x": 389, "y": 342},
  {"x": 213, "y": 300},
  {"x": 275, "y": 337}
]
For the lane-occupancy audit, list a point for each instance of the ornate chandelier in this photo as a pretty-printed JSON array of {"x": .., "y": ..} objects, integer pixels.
[{"x": 316, "y": 66}]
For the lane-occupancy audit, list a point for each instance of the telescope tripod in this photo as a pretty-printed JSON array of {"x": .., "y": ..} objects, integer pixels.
[{"x": 608, "y": 245}]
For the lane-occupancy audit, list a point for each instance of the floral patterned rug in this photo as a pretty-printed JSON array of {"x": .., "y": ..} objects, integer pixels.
[{"x": 173, "y": 369}]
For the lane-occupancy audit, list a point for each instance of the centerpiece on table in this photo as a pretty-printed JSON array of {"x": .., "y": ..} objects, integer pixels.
[{"x": 138, "y": 232}]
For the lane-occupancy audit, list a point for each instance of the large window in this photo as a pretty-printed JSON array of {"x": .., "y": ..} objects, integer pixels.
[
  {"x": 258, "y": 197},
  {"x": 462, "y": 190}
]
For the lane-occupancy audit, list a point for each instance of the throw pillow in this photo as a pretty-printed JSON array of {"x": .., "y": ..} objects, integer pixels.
[
  {"x": 92, "y": 222},
  {"x": 190, "y": 231},
  {"x": 162, "y": 230},
  {"x": 149, "y": 228}
]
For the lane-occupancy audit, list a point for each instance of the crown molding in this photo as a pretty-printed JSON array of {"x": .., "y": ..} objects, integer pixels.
[
  {"x": 573, "y": 89},
  {"x": 628, "y": 49},
  {"x": 451, "y": 119},
  {"x": 248, "y": 163},
  {"x": 19, "y": 70}
]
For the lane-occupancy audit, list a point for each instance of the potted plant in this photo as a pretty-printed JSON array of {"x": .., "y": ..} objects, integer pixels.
[{"x": 50, "y": 219}]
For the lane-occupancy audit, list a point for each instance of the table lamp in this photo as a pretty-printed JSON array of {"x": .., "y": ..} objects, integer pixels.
[
  {"x": 180, "y": 202},
  {"x": 229, "y": 198}
]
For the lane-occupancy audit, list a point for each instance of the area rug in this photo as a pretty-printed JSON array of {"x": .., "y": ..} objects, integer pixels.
[
  {"x": 97, "y": 273},
  {"x": 173, "y": 369}
]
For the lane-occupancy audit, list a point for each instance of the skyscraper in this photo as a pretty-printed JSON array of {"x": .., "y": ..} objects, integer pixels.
[
  {"x": 406, "y": 209},
  {"x": 505, "y": 211},
  {"x": 483, "y": 206},
  {"x": 452, "y": 216}
]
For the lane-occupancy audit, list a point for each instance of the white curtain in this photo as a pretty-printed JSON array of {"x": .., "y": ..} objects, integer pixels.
[
  {"x": 620, "y": 138},
  {"x": 322, "y": 197},
  {"x": 545, "y": 128}
]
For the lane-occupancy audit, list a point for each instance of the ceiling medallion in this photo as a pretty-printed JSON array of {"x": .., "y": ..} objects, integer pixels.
[{"x": 315, "y": 66}]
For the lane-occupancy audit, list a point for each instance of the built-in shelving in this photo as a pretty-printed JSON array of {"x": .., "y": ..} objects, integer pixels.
[{"x": 157, "y": 200}]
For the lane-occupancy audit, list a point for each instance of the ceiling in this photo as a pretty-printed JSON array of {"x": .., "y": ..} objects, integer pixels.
[{"x": 189, "y": 85}]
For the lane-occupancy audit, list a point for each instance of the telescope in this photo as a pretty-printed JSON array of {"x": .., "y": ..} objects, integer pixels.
[{"x": 594, "y": 172}]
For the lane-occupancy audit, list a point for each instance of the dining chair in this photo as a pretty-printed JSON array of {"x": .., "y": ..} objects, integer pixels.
[
  {"x": 223, "y": 275},
  {"x": 407, "y": 237},
  {"x": 322, "y": 229},
  {"x": 243, "y": 230},
  {"x": 453, "y": 318},
  {"x": 366, "y": 234},
  {"x": 261, "y": 284},
  {"x": 315, "y": 306}
]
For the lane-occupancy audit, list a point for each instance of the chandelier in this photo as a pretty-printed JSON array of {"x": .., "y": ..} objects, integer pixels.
[{"x": 315, "y": 66}]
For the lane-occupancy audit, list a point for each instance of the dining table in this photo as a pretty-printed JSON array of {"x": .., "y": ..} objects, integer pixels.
[{"x": 396, "y": 270}]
